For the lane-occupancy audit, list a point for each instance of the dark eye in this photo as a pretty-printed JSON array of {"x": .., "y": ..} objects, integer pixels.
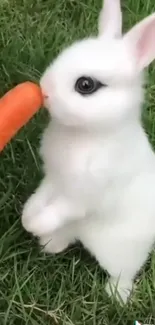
[{"x": 87, "y": 85}]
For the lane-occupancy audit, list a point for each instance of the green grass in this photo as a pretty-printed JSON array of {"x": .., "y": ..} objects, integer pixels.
[{"x": 69, "y": 288}]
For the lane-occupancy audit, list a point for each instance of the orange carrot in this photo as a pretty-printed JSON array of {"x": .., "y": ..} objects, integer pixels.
[{"x": 16, "y": 108}]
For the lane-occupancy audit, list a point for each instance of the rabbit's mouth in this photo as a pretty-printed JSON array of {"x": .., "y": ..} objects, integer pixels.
[{"x": 45, "y": 100}]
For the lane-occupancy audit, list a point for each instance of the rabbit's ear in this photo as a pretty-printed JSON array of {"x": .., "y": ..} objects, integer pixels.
[
  {"x": 141, "y": 40},
  {"x": 110, "y": 19}
]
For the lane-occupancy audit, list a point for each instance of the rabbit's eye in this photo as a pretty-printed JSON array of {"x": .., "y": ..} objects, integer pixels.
[{"x": 87, "y": 85}]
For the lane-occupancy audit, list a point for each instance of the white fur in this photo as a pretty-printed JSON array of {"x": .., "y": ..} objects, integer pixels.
[
  {"x": 110, "y": 19},
  {"x": 99, "y": 184}
]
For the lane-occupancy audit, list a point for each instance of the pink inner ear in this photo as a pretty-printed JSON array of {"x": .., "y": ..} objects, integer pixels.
[{"x": 146, "y": 44}]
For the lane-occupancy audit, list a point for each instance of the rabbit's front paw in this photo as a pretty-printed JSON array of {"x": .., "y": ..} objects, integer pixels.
[
  {"x": 31, "y": 209},
  {"x": 32, "y": 222},
  {"x": 54, "y": 244},
  {"x": 42, "y": 222},
  {"x": 36, "y": 203}
]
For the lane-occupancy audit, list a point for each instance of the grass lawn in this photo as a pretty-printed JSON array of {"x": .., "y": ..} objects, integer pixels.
[{"x": 68, "y": 288}]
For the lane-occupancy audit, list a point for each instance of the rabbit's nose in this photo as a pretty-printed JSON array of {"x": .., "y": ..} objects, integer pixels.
[
  {"x": 45, "y": 96},
  {"x": 45, "y": 99}
]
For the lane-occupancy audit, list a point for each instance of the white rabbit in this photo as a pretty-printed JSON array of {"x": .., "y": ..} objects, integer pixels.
[{"x": 99, "y": 184}]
